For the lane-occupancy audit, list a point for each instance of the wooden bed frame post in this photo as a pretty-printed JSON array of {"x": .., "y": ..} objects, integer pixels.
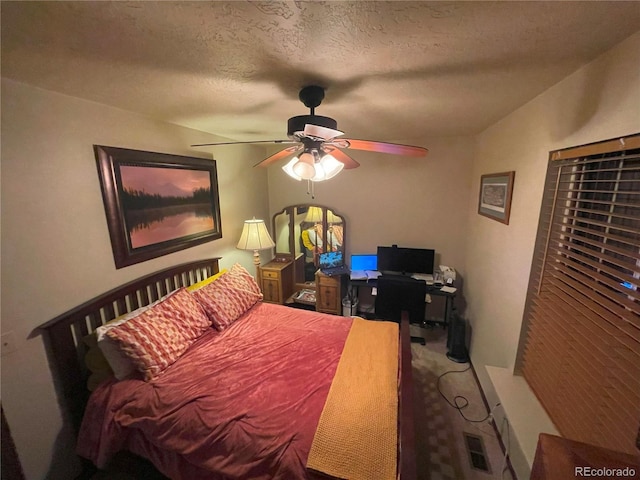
[{"x": 407, "y": 447}]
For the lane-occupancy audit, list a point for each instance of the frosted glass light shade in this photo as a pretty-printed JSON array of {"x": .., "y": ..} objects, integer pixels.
[
  {"x": 305, "y": 168},
  {"x": 288, "y": 169},
  {"x": 328, "y": 167}
]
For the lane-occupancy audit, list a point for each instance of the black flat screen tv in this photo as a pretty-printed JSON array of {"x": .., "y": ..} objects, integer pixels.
[{"x": 405, "y": 260}]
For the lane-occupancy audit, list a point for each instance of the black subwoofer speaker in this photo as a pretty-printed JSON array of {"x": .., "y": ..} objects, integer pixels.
[{"x": 457, "y": 340}]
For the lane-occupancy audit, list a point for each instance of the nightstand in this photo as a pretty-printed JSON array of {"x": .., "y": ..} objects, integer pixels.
[
  {"x": 276, "y": 281},
  {"x": 329, "y": 293}
]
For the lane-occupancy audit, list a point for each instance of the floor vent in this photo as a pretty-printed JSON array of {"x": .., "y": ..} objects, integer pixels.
[{"x": 476, "y": 451}]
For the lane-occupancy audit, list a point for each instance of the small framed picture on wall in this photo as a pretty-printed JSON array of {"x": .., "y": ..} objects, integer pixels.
[{"x": 495, "y": 196}]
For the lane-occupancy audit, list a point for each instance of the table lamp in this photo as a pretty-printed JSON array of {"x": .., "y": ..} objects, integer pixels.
[
  {"x": 314, "y": 215},
  {"x": 255, "y": 237},
  {"x": 332, "y": 219}
]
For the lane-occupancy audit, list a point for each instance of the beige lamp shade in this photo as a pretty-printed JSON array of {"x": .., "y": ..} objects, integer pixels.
[
  {"x": 255, "y": 236},
  {"x": 333, "y": 218},
  {"x": 314, "y": 215}
]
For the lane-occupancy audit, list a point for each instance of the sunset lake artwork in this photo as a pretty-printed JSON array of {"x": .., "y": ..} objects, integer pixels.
[{"x": 162, "y": 204}]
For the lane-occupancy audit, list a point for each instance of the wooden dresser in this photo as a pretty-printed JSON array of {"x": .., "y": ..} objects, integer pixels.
[
  {"x": 276, "y": 281},
  {"x": 329, "y": 293},
  {"x": 559, "y": 458}
]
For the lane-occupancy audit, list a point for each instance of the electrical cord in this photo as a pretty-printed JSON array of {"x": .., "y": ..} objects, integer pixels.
[
  {"x": 507, "y": 447},
  {"x": 465, "y": 403},
  {"x": 461, "y": 402}
]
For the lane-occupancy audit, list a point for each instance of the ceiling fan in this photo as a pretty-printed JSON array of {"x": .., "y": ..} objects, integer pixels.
[{"x": 316, "y": 144}]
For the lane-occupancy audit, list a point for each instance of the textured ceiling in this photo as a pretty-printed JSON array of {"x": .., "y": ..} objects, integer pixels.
[{"x": 394, "y": 71}]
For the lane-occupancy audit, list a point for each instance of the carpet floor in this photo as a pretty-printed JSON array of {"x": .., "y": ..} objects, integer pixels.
[{"x": 443, "y": 451}]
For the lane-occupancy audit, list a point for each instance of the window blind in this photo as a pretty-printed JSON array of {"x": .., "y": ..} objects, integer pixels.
[{"x": 581, "y": 352}]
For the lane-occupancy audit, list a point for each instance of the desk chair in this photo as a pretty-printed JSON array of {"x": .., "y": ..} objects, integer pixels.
[{"x": 397, "y": 293}]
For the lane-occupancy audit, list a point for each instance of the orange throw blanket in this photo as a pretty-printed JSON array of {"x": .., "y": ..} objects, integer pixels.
[{"x": 357, "y": 433}]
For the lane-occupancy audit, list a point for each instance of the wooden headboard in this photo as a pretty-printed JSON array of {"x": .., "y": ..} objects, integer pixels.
[{"x": 63, "y": 335}]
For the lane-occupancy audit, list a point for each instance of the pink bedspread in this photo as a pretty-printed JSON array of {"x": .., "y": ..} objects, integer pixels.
[{"x": 241, "y": 404}]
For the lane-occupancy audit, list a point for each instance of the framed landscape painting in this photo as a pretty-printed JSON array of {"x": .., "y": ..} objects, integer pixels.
[
  {"x": 495, "y": 196},
  {"x": 157, "y": 203}
]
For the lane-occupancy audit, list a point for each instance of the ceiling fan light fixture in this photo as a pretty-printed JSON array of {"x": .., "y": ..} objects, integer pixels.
[
  {"x": 288, "y": 169},
  {"x": 304, "y": 167},
  {"x": 328, "y": 167}
]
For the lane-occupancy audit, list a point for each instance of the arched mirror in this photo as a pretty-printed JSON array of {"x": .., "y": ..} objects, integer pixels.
[{"x": 303, "y": 232}]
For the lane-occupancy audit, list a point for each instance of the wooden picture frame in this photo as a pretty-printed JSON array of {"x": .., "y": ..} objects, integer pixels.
[
  {"x": 157, "y": 203},
  {"x": 494, "y": 200}
]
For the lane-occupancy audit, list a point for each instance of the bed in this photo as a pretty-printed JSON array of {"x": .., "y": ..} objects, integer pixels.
[{"x": 275, "y": 379}]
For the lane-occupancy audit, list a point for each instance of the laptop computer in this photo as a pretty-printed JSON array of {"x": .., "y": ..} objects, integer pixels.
[{"x": 332, "y": 263}]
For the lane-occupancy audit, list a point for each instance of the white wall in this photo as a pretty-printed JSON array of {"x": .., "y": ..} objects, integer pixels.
[
  {"x": 598, "y": 102},
  {"x": 56, "y": 251}
]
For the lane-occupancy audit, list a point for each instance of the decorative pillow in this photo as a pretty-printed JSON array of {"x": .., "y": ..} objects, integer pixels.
[
  {"x": 158, "y": 336},
  {"x": 120, "y": 364},
  {"x": 206, "y": 281},
  {"x": 228, "y": 298},
  {"x": 98, "y": 366},
  {"x": 243, "y": 279},
  {"x": 96, "y": 362}
]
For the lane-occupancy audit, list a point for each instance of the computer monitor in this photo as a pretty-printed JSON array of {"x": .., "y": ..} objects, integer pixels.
[
  {"x": 405, "y": 260},
  {"x": 364, "y": 261}
]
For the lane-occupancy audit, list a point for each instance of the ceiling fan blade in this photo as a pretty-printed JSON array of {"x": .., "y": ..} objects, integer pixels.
[
  {"x": 341, "y": 157},
  {"x": 244, "y": 143},
  {"x": 279, "y": 156},
  {"x": 319, "y": 131},
  {"x": 382, "y": 147}
]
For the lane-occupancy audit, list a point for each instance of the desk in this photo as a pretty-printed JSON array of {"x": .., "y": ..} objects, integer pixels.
[
  {"x": 431, "y": 290},
  {"x": 448, "y": 304}
]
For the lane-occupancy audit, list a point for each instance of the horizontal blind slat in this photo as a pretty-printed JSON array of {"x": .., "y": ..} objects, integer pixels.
[
  {"x": 570, "y": 260},
  {"x": 609, "y": 248},
  {"x": 581, "y": 353},
  {"x": 608, "y": 312}
]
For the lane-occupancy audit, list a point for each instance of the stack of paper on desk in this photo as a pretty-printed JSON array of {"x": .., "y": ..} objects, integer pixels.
[
  {"x": 427, "y": 277},
  {"x": 364, "y": 274}
]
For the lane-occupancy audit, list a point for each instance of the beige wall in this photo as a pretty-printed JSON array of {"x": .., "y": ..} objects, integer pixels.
[
  {"x": 55, "y": 243},
  {"x": 411, "y": 202},
  {"x": 598, "y": 102}
]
